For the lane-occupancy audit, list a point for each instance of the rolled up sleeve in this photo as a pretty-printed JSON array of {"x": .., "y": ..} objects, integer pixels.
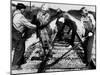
[{"x": 25, "y": 22}]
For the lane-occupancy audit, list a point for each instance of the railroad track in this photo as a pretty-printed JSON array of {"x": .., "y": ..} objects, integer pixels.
[{"x": 67, "y": 63}]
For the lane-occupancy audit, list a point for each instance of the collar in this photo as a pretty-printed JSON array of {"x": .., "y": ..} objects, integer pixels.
[{"x": 17, "y": 12}]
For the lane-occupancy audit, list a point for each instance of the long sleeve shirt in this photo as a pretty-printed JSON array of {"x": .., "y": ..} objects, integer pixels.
[
  {"x": 88, "y": 21},
  {"x": 19, "y": 21},
  {"x": 43, "y": 18}
]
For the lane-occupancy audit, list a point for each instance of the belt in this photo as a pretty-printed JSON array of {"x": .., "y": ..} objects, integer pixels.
[{"x": 16, "y": 31}]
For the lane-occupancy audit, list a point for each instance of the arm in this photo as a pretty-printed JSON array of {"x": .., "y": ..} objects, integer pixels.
[
  {"x": 92, "y": 19},
  {"x": 25, "y": 22},
  {"x": 46, "y": 17},
  {"x": 93, "y": 22}
]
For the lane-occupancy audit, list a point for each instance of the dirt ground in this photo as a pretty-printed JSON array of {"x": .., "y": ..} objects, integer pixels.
[{"x": 69, "y": 62}]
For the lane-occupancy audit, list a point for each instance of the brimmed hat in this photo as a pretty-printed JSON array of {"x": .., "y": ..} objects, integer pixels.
[{"x": 20, "y": 6}]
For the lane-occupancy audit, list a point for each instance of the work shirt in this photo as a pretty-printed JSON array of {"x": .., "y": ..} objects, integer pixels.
[
  {"x": 88, "y": 21},
  {"x": 19, "y": 21},
  {"x": 43, "y": 17}
]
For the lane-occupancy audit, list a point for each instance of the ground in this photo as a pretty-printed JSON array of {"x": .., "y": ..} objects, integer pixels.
[{"x": 70, "y": 61}]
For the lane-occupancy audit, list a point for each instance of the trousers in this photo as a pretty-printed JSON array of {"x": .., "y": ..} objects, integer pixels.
[{"x": 19, "y": 44}]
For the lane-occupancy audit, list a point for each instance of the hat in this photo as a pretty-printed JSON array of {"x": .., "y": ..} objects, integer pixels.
[
  {"x": 45, "y": 7},
  {"x": 58, "y": 10},
  {"x": 84, "y": 11},
  {"x": 84, "y": 8},
  {"x": 20, "y": 6}
]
